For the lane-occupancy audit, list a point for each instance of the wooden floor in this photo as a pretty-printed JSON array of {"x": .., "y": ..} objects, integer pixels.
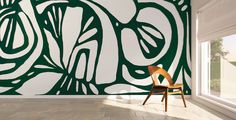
[{"x": 103, "y": 109}]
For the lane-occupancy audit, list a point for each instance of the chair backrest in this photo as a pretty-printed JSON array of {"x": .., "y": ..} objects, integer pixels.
[{"x": 154, "y": 71}]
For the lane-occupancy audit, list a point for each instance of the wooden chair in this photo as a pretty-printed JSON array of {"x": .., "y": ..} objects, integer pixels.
[{"x": 165, "y": 90}]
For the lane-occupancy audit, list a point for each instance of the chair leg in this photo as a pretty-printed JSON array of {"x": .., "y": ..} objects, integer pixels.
[
  {"x": 166, "y": 96},
  {"x": 148, "y": 97},
  {"x": 182, "y": 95},
  {"x": 163, "y": 97}
]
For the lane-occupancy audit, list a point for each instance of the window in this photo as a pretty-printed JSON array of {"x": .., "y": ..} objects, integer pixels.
[{"x": 218, "y": 69}]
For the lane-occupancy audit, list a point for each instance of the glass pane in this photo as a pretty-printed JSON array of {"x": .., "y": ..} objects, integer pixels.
[
  {"x": 216, "y": 50},
  {"x": 222, "y": 82}
]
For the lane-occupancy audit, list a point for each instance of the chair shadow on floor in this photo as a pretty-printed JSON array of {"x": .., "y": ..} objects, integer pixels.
[{"x": 131, "y": 109}]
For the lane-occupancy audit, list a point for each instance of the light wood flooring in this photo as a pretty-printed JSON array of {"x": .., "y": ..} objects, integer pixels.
[{"x": 103, "y": 109}]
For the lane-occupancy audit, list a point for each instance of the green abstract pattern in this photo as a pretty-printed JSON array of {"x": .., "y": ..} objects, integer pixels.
[{"x": 92, "y": 47}]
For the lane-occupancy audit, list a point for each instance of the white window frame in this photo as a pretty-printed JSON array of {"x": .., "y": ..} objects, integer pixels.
[
  {"x": 204, "y": 81},
  {"x": 210, "y": 101},
  {"x": 198, "y": 87}
]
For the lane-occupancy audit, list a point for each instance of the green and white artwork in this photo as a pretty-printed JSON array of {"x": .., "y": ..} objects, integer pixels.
[{"x": 92, "y": 47}]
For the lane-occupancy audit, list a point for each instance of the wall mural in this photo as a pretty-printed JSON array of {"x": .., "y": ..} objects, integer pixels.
[{"x": 92, "y": 47}]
